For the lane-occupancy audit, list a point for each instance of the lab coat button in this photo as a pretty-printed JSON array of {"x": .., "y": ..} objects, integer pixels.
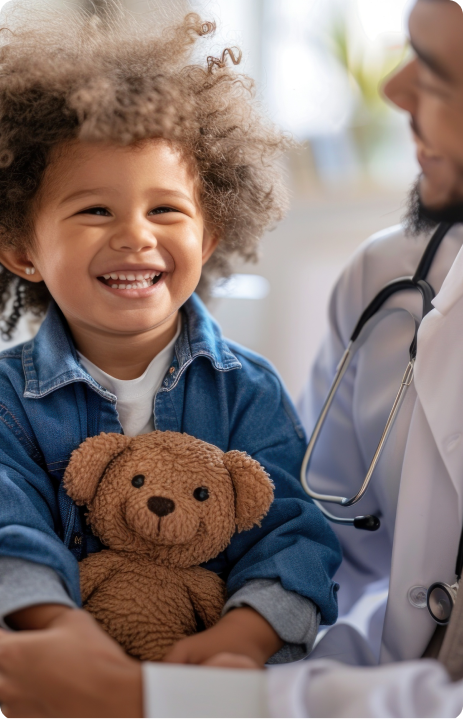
[
  {"x": 417, "y": 596},
  {"x": 452, "y": 442}
]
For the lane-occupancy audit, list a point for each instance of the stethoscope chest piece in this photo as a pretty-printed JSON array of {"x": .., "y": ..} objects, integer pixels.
[
  {"x": 441, "y": 597},
  {"x": 440, "y": 601}
]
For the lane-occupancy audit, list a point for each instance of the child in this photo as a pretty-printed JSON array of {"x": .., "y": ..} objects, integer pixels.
[{"x": 125, "y": 170}]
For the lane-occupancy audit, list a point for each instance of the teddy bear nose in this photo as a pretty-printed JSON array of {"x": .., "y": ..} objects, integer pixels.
[{"x": 160, "y": 506}]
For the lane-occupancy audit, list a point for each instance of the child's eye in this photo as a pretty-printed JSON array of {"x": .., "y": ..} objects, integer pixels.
[
  {"x": 95, "y": 211},
  {"x": 161, "y": 210}
]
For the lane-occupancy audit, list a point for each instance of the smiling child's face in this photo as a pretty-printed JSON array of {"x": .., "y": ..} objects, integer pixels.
[{"x": 120, "y": 239}]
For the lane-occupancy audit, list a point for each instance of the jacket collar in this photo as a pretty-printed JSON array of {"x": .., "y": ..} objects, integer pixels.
[
  {"x": 50, "y": 360},
  {"x": 201, "y": 335}
]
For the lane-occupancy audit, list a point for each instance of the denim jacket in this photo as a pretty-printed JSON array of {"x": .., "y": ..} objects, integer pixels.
[{"x": 214, "y": 390}]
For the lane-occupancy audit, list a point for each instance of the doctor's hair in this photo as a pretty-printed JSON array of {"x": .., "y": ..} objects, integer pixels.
[{"x": 101, "y": 75}]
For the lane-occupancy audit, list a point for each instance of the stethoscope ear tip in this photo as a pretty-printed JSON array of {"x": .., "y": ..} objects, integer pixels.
[{"x": 367, "y": 522}]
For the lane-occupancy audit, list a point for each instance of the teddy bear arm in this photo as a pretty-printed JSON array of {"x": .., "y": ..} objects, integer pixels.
[
  {"x": 207, "y": 594},
  {"x": 95, "y": 569}
]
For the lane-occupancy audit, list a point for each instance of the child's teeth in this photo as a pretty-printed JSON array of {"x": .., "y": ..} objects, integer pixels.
[{"x": 137, "y": 280}]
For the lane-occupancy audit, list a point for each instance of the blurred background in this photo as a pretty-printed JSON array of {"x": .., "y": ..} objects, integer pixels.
[{"x": 317, "y": 66}]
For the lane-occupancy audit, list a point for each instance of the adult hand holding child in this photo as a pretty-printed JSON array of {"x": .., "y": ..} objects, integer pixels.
[
  {"x": 74, "y": 669},
  {"x": 78, "y": 671}
]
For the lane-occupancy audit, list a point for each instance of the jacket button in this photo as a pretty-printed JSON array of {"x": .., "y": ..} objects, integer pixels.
[{"x": 417, "y": 596}]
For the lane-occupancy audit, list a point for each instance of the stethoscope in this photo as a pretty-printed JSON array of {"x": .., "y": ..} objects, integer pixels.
[{"x": 440, "y": 596}]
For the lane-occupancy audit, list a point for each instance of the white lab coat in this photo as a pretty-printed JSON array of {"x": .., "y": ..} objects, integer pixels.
[
  {"x": 417, "y": 489},
  {"x": 418, "y": 486}
]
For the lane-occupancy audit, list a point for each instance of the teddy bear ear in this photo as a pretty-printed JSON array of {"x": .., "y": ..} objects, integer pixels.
[
  {"x": 253, "y": 489},
  {"x": 88, "y": 463}
]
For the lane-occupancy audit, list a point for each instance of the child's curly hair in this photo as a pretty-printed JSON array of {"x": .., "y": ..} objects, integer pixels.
[{"x": 102, "y": 77}]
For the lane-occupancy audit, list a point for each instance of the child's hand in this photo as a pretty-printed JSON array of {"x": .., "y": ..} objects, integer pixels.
[
  {"x": 241, "y": 632},
  {"x": 232, "y": 660},
  {"x": 71, "y": 669}
]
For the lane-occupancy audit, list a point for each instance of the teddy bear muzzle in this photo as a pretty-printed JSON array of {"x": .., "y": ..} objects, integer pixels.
[{"x": 160, "y": 506}]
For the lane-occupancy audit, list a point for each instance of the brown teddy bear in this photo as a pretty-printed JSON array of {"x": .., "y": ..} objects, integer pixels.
[{"x": 162, "y": 503}]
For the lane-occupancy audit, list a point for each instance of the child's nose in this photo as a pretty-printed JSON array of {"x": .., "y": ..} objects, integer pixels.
[
  {"x": 133, "y": 238},
  {"x": 160, "y": 506}
]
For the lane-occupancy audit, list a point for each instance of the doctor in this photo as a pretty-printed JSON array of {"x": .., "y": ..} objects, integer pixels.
[{"x": 417, "y": 488}]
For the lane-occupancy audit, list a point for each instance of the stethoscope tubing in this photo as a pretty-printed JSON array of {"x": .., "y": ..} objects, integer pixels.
[
  {"x": 369, "y": 317},
  {"x": 440, "y": 596}
]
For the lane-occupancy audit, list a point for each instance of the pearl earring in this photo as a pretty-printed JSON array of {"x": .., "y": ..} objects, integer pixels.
[{"x": 30, "y": 270}]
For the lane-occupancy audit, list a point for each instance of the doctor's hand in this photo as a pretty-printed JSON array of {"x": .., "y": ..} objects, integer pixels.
[
  {"x": 70, "y": 669},
  {"x": 242, "y": 632}
]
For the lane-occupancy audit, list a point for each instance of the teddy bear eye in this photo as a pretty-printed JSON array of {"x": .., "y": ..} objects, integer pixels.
[
  {"x": 201, "y": 494},
  {"x": 138, "y": 481}
]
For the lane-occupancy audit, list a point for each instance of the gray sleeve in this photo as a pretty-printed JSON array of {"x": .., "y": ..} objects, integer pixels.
[
  {"x": 293, "y": 617},
  {"x": 24, "y": 583}
]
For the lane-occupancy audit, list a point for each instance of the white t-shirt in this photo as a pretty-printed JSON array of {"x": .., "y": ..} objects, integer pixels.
[{"x": 135, "y": 398}]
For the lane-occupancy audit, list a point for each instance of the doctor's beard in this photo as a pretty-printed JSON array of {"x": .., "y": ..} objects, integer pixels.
[{"x": 420, "y": 218}]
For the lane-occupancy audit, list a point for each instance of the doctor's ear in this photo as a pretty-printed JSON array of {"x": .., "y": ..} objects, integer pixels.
[{"x": 17, "y": 262}]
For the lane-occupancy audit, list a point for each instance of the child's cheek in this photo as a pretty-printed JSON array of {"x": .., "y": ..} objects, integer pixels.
[{"x": 188, "y": 259}]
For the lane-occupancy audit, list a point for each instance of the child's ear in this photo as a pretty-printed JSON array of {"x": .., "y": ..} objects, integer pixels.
[
  {"x": 18, "y": 263},
  {"x": 253, "y": 489},
  {"x": 88, "y": 463},
  {"x": 210, "y": 242}
]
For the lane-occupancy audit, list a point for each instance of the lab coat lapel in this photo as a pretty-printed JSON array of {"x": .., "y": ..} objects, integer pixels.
[
  {"x": 429, "y": 515},
  {"x": 425, "y": 542},
  {"x": 439, "y": 373}
]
